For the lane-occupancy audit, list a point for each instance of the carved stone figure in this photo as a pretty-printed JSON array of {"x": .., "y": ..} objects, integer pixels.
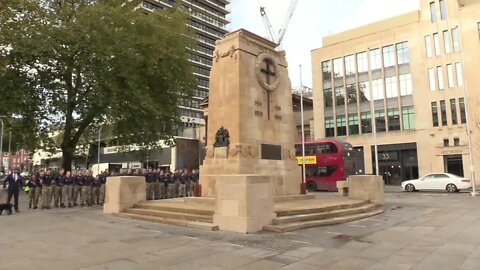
[{"x": 222, "y": 138}]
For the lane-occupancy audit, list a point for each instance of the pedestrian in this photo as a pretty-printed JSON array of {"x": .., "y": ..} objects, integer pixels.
[
  {"x": 32, "y": 192},
  {"x": 96, "y": 184},
  {"x": 150, "y": 184},
  {"x": 38, "y": 189},
  {"x": 170, "y": 185},
  {"x": 87, "y": 189},
  {"x": 67, "y": 191},
  {"x": 77, "y": 193},
  {"x": 14, "y": 185},
  {"x": 46, "y": 182},
  {"x": 57, "y": 187},
  {"x": 103, "y": 181}
]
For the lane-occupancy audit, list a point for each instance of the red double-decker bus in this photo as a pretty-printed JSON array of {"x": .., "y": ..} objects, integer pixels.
[{"x": 326, "y": 162}]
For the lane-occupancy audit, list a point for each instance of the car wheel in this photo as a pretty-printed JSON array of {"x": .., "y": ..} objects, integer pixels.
[
  {"x": 410, "y": 188},
  {"x": 311, "y": 186},
  {"x": 451, "y": 188}
]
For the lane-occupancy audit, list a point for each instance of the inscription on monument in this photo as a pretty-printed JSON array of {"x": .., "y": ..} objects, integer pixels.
[
  {"x": 258, "y": 103},
  {"x": 258, "y": 114},
  {"x": 278, "y": 117},
  {"x": 271, "y": 151}
]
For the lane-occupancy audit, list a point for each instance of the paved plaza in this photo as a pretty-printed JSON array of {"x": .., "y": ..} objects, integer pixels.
[{"x": 418, "y": 230}]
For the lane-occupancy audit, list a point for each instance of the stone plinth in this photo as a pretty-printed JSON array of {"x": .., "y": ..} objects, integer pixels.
[
  {"x": 244, "y": 203},
  {"x": 123, "y": 192},
  {"x": 250, "y": 96},
  {"x": 366, "y": 187}
]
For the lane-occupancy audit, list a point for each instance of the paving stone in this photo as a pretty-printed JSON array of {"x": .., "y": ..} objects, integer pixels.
[
  {"x": 389, "y": 266},
  {"x": 263, "y": 265}
]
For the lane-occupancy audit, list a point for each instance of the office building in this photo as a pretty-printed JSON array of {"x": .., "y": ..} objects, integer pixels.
[
  {"x": 209, "y": 20},
  {"x": 408, "y": 84}
]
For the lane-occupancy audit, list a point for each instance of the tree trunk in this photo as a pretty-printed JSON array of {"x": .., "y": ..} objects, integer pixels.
[{"x": 67, "y": 157}]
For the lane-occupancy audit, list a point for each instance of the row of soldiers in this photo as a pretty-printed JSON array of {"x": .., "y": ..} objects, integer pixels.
[
  {"x": 65, "y": 189},
  {"x": 165, "y": 184},
  {"x": 70, "y": 189}
]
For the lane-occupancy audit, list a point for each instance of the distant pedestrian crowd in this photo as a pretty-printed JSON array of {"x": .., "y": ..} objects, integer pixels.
[{"x": 81, "y": 188}]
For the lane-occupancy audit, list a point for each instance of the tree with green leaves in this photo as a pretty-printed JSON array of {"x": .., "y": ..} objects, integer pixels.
[{"x": 71, "y": 65}]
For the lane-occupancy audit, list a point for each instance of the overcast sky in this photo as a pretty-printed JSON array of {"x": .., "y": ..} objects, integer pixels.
[{"x": 312, "y": 20}]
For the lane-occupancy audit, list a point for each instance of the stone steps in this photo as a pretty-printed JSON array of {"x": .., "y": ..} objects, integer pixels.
[
  {"x": 176, "y": 208},
  {"x": 170, "y": 221},
  {"x": 303, "y": 221},
  {"x": 309, "y": 209},
  {"x": 170, "y": 214},
  {"x": 324, "y": 215}
]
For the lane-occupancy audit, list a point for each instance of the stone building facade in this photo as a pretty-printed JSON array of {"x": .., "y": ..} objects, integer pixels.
[{"x": 408, "y": 84}]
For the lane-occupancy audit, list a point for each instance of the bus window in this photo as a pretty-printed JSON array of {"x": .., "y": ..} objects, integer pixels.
[
  {"x": 325, "y": 170},
  {"x": 330, "y": 148}
]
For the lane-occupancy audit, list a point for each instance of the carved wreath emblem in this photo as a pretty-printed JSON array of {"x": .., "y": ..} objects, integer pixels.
[{"x": 267, "y": 71}]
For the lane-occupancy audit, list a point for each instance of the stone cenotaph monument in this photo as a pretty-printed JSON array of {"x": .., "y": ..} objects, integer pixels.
[{"x": 250, "y": 155}]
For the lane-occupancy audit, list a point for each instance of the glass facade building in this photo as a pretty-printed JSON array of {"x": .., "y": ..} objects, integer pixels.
[{"x": 209, "y": 21}]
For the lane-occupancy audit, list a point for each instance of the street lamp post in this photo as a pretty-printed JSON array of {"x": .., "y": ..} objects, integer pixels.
[
  {"x": 1, "y": 143},
  {"x": 303, "y": 129},
  {"x": 10, "y": 163},
  {"x": 98, "y": 156}
]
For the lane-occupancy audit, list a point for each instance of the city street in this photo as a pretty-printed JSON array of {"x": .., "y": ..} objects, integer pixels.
[{"x": 420, "y": 230}]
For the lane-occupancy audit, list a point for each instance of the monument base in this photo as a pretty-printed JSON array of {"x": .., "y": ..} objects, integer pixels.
[
  {"x": 244, "y": 203},
  {"x": 123, "y": 192},
  {"x": 366, "y": 187}
]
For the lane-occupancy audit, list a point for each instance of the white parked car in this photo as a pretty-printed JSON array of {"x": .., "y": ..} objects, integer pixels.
[{"x": 438, "y": 181}]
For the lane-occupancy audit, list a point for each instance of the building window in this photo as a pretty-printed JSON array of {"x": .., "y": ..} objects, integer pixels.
[
  {"x": 393, "y": 119},
  {"x": 329, "y": 127},
  {"x": 351, "y": 94},
  {"x": 353, "y": 124},
  {"x": 433, "y": 12},
  {"x": 388, "y": 56},
  {"x": 428, "y": 46},
  {"x": 408, "y": 117},
  {"x": 339, "y": 95},
  {"x": 458, "y": 68},
  {"x": 327, "y": 97},
  {"x": 364, "y": 91},
  {"x": 377, "y": 90},
  {"x": 349, "y": 65},
  {"x": 453, "y": 111},
  {"x": 326, "y": 70},
  {"x": 443, "y": 110},
  {"x": 456, "y": 45},
  {"x": 402, "y": 53},
  {"x": 405, "y": 84},
  {"x": 362, "y": 62},
  {"x": 446, "y": 42},
  {"x": 391, "y": 87},
  {"x": 450, "y": 76},
  {"x": 380, "y": 121},
  {"x": 456, "y": 141},
  {"x": 431, "y": 79},
  {"x": 436, "y": 43},
  {"x": 446, "y": 142},
  {"x": 341, "y": 125},
  {"x": 441, "y": 86},
  {"x": 443, "y": 10},
  {"x": 435, "y": 114},
  {"x": 463, "y": 114},
  {"x": 337, "y": 67},
  {"x": 366, "y": 122},
  {"x": 375, "y": 59}
]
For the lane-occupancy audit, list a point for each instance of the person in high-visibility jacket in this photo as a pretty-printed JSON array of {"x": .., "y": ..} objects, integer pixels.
[{"x": 31, "y": 188}]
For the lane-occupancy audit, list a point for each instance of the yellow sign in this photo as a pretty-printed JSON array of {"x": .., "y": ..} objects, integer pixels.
[{"x": 308, "y": 160}]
